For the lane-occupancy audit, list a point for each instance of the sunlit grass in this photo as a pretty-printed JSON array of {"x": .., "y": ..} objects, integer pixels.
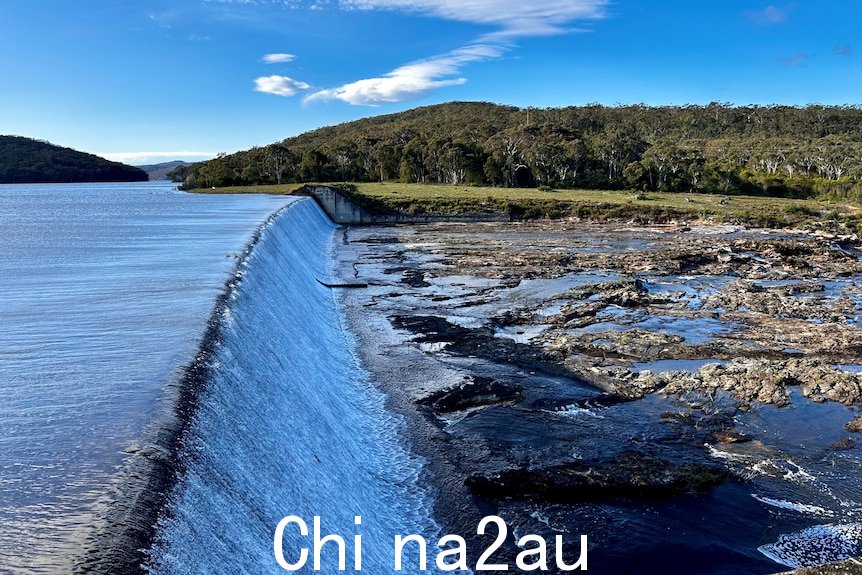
[{"x": 592, "y": 204}]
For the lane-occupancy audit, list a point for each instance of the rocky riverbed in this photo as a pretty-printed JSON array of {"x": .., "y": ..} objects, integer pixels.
[{"x": 688, "y": 389}]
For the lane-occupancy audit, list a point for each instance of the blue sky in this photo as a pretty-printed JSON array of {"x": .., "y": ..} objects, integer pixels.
[{"x": 152, "y": 80}]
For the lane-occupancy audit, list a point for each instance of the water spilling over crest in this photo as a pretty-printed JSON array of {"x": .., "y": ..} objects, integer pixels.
[{"x": 288, "y": 425}]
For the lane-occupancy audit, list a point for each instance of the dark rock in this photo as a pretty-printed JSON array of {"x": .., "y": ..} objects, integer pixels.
[
  {"x": 844, "y": 444},
  {"x": 476, "y": 391},
  {"x": 481, "y": 342},
  {"x": 854, "y": 426},
  {"x": 789, "y": 248},
  {"x": 731, "y": 436},
  {"x": 675, "y": 417},
  {"x": 414, "y": 278},
  {"x": 631, "y": 475},
  {"x": 690, "y": 261}
]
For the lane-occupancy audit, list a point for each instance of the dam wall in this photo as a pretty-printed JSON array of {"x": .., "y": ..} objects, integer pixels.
[
  {"x": 344, "y": 211},
  {"x": 288, "y": 424}
]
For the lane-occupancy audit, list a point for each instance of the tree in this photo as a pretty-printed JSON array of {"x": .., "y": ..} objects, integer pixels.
[{"x": 313, "y": 165}]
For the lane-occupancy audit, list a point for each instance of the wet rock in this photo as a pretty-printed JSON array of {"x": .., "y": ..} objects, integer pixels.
[
  {"x": 752, "y": 299},
  {"x": 514, "y": 317},
  {"x": 690, "y": 261},
  {"x": 676, "y": 418},
  {"x": 475, "y": 391},
  {"x": 848, "y": 567},
  {"x": 630, "y": 475},
  {"x": 636, "y": 344},
  {"x": 766, "y": 381},
  {"x": 414, "y": 278},
  {"x": 854, "y": 426},
  {"x": 480, "y": 342},
  {"x": 845, "y": 444},
  {"x": 731, "y": 436},
  {"x": 627, "y": 294}
]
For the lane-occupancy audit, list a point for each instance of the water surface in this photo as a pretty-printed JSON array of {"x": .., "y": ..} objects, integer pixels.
[{"x": 106, "y": 291}]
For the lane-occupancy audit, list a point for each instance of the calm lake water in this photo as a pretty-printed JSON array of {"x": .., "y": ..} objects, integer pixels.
[{"x": 105, "y": 292}]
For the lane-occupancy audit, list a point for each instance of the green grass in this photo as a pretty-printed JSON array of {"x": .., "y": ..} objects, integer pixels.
[
  {"x": 599, "y": 205},
  {"x": 281, "y": 189}
]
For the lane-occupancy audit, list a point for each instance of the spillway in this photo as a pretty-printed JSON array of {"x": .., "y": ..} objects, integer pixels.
[{"x": 287, "y": 423}]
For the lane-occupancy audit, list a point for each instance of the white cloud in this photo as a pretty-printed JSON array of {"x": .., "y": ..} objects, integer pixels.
[
  {"x": 278, "y": 58},
  {"x": 769, "y": 16},
  {"x": 287, "y": 3},
  {"x": 410, "y": 81},
  {"x": 280, "y": 85},
  {"x": 508, "y": 20},
  {"x": 154, "y": 157},
  {"x": 510, "y": 17}
]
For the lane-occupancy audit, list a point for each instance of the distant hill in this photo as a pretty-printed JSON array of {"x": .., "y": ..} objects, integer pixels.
[
  {"x": 717, "y": 148},
  {"x": 161, "y": 171},
  {"x": 28, "y": 161}
]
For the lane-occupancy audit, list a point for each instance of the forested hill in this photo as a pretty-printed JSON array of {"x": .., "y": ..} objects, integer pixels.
[
  {"x": 161, "y": 171},
  {"x": 774, "y": 150},
  {"x": 27, "y": 161}
]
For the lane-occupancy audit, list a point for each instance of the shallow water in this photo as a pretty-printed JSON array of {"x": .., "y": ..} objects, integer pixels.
[
  {"x": 106, "y": 290},
  {"x": 795, "y": 493},
  {"x": 802, "y": 481}
]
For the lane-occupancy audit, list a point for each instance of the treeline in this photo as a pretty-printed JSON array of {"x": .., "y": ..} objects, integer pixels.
[
  {"x": 757, "y": 150},
  {"x": 27, "y": 161}
]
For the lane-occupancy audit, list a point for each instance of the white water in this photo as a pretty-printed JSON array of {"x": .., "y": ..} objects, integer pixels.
[{"x": 290, "y": 425}]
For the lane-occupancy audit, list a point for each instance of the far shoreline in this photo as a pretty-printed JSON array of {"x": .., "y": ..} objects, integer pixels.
[{"x": 418, "y": 201}]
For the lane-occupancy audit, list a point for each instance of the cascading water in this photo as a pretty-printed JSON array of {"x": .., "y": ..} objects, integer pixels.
[{"x": 288, "y": 425}]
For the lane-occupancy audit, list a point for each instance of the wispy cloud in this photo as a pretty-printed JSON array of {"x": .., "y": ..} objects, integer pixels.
[
  {"x": 163, "y": 19},
  {"x": 278, "y": 58},
  {"x": 154, "y": 157},
  {"x": 843, "y": 50},
  {"x": 508, "y": 20},
  {"x": 770, "y": 16},
  {"x": 280, "y": 85},
  {"x": 285, "y": 3},
  {"x": 796, "y": 60},
  {"x": 513, "y": 18},
  {"x": 411, "y": 81}
]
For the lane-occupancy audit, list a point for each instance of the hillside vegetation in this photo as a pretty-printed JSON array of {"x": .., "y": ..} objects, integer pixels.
[
  {"x": 720, "y": 149},
  {"x": 160, "y": 171},
  {"x": 27, "y": 161}
]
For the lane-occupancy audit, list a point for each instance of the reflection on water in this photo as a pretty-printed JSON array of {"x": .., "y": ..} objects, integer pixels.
[{"x": 105, "y": 290}]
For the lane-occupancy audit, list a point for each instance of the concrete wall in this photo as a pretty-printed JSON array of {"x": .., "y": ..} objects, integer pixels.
[
  {"x": 339, "y": 209},
  {"x": 344, "y": 211}
]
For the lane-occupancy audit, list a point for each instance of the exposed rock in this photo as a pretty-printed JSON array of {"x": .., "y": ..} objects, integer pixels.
[
  {"x": 731, "y": 436},
  {"x": 475, "y": 391},
  {"x": 848, "y": 567},
  {"x": 759, "y": 381},
  {"x": 844, "y": 444},
  {"x": 854, "y": 426},
  {"x": 480, "y": 342},
  {"x": 631, "y": 474},
  {"x": 622, "y": 293}
]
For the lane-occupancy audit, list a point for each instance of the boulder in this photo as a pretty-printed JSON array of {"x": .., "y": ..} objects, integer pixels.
[{"x": 630, "y": 474}]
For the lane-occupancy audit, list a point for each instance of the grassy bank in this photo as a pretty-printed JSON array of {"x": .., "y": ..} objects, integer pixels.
[{"x": 597, "y": 205}]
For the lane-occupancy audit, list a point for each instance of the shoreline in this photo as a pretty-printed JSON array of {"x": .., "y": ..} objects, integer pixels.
[{"x": 421, "y": 203}]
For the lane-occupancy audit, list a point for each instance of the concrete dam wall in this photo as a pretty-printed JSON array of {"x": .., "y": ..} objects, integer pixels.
[{"x": 344, "y": 211}]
